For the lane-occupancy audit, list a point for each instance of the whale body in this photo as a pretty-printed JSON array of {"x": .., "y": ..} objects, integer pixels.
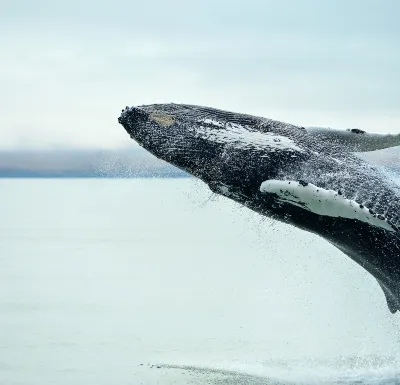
[{"x": 311, "y": 178}]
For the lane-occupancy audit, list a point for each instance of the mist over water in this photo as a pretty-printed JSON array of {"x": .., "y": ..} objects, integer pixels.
[{"x": 160, "y": 282}]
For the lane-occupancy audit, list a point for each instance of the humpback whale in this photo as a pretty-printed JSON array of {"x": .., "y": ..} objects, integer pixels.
[{"x": 313, "y": 178}]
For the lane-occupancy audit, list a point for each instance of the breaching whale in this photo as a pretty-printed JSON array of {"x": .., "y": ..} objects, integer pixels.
[{"x": 312, "y": 178}]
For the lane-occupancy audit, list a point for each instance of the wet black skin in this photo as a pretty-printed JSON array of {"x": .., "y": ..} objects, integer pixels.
[{"x": 169, "y": 132}]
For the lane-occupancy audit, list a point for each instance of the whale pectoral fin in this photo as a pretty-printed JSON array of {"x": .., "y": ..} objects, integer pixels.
[
  {"x": 355, "y": 139},
  {"x": 392, "y": 301},
  {"x": 322, "y": 202}
]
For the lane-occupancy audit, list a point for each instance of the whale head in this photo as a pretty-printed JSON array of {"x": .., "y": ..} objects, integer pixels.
[{"x": 232, "y": 153}]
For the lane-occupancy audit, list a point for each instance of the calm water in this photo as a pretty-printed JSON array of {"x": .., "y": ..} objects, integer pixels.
[{"x": 152, "y": 282}]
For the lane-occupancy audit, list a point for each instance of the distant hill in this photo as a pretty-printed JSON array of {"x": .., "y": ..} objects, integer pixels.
[{"x": 132, "y": 162}]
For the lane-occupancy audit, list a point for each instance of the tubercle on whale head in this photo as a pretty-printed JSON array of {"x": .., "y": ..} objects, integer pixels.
[
  {"x": 132, "y": 113},
  {"x": 132, "y": 119}
]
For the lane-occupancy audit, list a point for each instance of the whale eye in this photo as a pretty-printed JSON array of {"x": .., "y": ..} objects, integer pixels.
[{"x": 162, "y": 119}]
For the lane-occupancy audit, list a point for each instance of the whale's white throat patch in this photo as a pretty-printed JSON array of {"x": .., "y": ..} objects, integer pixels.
[
  {"x": 322, "y": 202},
  {"x": 243, "y": 137}
]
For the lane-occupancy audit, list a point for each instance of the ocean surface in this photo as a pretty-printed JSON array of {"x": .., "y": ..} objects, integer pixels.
[{"x": 110, "y": 282}]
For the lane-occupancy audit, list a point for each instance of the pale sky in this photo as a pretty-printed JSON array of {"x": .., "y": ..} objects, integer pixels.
[{"x": 67, "y": 68}]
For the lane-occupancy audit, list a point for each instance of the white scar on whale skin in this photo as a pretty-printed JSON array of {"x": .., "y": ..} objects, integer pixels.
[
  {"x": 242, "y": 137},
  {"x": 322, "y": 202}
]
